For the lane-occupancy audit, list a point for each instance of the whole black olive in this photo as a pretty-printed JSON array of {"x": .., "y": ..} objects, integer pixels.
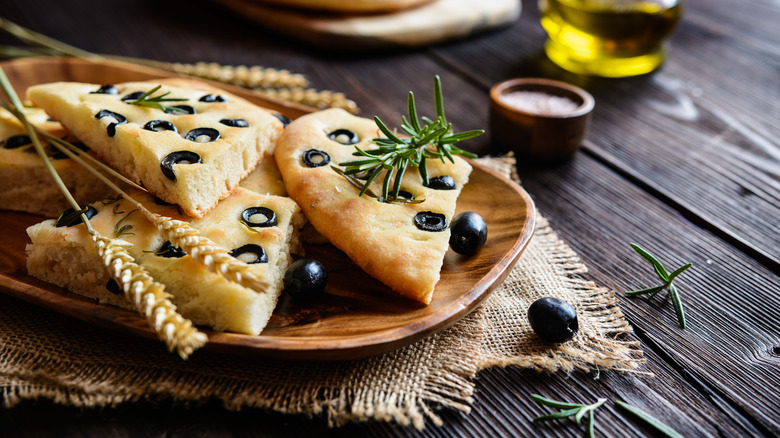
[
  {"x": 179, "y": 157},
  {"x": 119, "y": 120},
  {"x": 185, "y": 109},
  {"x": 344, "y": 136},
  {"x": 71, "y": 217},
  {"x": 160, "y": 125},
  {"x": 113, "y": 287},
  {"x": 235, "y": 123},
  {"x": 282, "y": 118},
  {"x": 259, "y": 217},
  {"x": 305, "y": 279},
  {"x": 250, "y": 254},
  {"x": 315, "y": 158},
  {"x": 202, "y": 135},
  {"x": 468, "y": 233},
  {"x": 430, "y": 221},
  {"x": 16, "y": 141},
  {"x": 167, "y": 250},
  {"x": 212, "y": 98},
  {"x": 106, "y": 89},
  {"x": 402, "y": 194},
  {"x": 133, "y": 96},
  {"x": 444, "y": 182},
  {"x": 553, "y": 319}
]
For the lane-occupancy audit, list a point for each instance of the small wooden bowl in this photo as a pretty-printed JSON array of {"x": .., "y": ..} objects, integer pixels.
[{"x": 539, "y": 135}]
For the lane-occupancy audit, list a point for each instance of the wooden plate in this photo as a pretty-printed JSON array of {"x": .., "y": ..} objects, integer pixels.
[{"x": 358, "y": 317}]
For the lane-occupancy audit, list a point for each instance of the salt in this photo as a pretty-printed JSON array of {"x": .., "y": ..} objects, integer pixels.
[{"x": 539, "y": 103}]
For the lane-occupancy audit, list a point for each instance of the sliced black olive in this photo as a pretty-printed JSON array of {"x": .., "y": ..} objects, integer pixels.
[
  {"x": 179, "y": 157},
  {"x": 316, "y": 158},
  {"x": 444, "y": 182},
  {"x": 133, "y": 96},
  {"x": 402, "y": 194},
  {"x": 468, "y": 233},
  {"x": 212, "y": 98},
  {"x": 186, "y": 109},
  {"x": 106, "y": 89},
  {"x": 430, "y": 221},
  {"x": 254, "y": 254},
  {"x": 259, "y": 217},
  {"x": 113, "y": 287},
  {"x": 160, "y": 125},
  {"x": 71, "y": 217},
  {"x": 120, "y": 119},
  {"x": 16, "y": 141},
  {"x": 202, "y": 135},
  {"x": 344, "y": 136},
  {"x": 235, "y": 123},
  {"x": 169, "y": 251},
  {"x": 282, "y": 118}
]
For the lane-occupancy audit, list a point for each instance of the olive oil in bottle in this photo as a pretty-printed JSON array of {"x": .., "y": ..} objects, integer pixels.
[{"x": 610, "y": 38}]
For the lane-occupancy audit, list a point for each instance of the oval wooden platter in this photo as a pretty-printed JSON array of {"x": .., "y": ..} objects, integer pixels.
[{"x": 358, "y": 316}]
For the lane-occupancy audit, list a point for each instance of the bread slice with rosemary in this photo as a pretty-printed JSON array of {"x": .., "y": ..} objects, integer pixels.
[
  {"x": 258, "y": 229},
  {"x": 186, "y": 142},
  {"x": 25, "y": 183},
  {"x": 400, "y": 243}
]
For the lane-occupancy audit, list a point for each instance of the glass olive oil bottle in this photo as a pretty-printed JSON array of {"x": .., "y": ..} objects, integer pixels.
[{"x": 610, "y": 38}]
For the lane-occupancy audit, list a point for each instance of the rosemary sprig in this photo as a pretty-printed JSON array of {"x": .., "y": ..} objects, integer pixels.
[
  {"x": 149, "y": 101},
  {"x": 431, "y": 139},
  {"x": 649, "y": 419},
  {"x": 569, "y": 409},
  {"x": 667, "y": 280}
]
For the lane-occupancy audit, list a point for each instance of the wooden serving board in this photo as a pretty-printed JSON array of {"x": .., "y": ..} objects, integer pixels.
[
  {"x": 358, "y": 316},
  {"x": 430, "y": 23}
]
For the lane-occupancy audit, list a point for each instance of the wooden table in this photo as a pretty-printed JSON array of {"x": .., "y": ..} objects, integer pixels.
[{"x": 685, "y": 162}]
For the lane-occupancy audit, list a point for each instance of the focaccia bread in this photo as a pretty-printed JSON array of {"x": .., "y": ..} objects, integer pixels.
[
  {"x": 257, "y": 229},
  {"x": 387, "y": 240},
  {"x": 348, "y": 6},
  {"x": 25, "y": 183},
  {"x": 193, "y": 156}
]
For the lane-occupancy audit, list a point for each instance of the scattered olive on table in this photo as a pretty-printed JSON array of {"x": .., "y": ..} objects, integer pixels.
[
  {"x": 553, "y": 319},
  {"x": 468, "y": 233},
  {"x": 305, "y": 279}
]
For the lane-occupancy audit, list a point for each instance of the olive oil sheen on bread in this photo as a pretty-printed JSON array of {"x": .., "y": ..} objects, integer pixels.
[{"x": 610, "y": 38}]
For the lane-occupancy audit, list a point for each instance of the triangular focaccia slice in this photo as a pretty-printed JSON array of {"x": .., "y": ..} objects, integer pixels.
[
  {"x": 242, "y": 223},
  {"x": 192, "y": 159},
  {"x": 381, "y": 238},
  {"x": 25, "y": 183}
]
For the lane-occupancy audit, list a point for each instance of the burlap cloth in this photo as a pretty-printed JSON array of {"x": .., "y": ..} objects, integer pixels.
[{"x": 46, "y": 355}]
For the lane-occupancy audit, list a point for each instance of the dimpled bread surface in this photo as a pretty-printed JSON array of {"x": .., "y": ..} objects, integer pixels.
[
  {"x": 139, "y": 153},
  {"x": 379, "y": 237},
  {"x": 66, "y": 256}
]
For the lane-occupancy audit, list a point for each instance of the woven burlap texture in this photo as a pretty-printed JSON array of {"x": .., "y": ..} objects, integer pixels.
[{"x": 46, "y": 355}]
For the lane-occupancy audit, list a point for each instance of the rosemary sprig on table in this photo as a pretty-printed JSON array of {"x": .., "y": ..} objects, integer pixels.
[
  {"x": 649, "y": 420},
  {"x": 149, "y": 101},
  {"x": 577, "y": 410},
  {"x": 432, "y": 139},
  {"x": 667, "y": 280}
]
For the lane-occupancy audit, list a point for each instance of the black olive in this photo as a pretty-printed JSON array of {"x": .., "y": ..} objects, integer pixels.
[
  {"x": 305, "y": 279},
  {"x": 71, "y": 217},
  {"x": 113, "y": 287},
  {"x": 186, "y": 108},
  {"x": 16, "y": 141},
  {"x": 430, "y": 221},
  {"x": 282, "y": 118},
  {"x": 55, "y": 153},
  {"x": 179, "y": 157},
  {"x": 106, "y": 89},
  {"x": 444, "y": 182},
  {"x": 202, "y": 135},
  {"x": 257, "y": 251},
  {"x": 167, "y": 250},
  {"x": 235, "y": 123},
  {"x": 316, "y": 158},
  {"x": 160, "y": 125},
  {"x": 402, "y": 194},
  {"x": 120, "y": 120},
  {"x": 81, "y": 146},
  {"x": 344, "y": 136},
  {"x": 212, "y": 98},
  {"x": 553, "y": 319},
  {"x": 468, "y": 233},
  {"x": 259, "y": 217},
  {"x": 133, "y": 96}
]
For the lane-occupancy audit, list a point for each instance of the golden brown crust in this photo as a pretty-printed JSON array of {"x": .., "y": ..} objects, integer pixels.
[{"x": 348, "y": 6}]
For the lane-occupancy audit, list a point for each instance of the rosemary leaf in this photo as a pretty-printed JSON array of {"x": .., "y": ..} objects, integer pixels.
[
  {"x": 667, "y": 278},
  {"x": 149, "y": 101},
  {"x": 646, "y": 291},
  {"x": 557, "y": 415},
  {"x": 649, "y": 419}
]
